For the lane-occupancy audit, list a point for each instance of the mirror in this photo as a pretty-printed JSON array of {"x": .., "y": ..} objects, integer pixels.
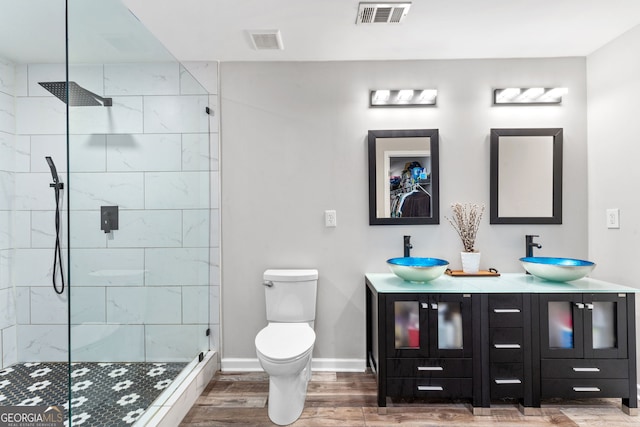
[
  {"x": 526, "y": 176},
  {"x": 403, "y": 177}
]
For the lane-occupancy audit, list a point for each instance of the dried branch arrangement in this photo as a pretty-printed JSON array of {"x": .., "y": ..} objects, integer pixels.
[{"x": 466, "y": 221}]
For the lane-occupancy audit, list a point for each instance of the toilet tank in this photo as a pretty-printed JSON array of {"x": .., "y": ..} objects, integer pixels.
[{"x": 290, "y": 295}]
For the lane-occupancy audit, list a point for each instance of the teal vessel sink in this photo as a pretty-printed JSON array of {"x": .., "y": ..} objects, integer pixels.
[
  {"x": 415, "y": 269},
  {"x": 557, "y": 269}
]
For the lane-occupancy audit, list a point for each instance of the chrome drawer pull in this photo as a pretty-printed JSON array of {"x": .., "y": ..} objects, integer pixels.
[
  {"x": 586, "y": 389},
  {"x": 430, "y": 368},
  {"x": 516, "y": 381},
  {"x": 586, "y": 369},
  {"x": 579, "y": 305},
  {"x": 434, "y": 306},
  {"x": 430, "y": 388},
  {"x": 506, "y": 345},
  {"x": 506, "y": 310},
  {"x": 589, "y": 306},
  {"x": 425, "y": 305}
]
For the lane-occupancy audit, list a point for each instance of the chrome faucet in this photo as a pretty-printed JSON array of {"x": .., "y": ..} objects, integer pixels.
[
  {"x": 407, "y": 246},
  {"x": 530, "y": 244}
]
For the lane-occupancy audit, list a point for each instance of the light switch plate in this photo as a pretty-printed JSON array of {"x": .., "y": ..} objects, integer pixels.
[{"x": 613, "y": 218}]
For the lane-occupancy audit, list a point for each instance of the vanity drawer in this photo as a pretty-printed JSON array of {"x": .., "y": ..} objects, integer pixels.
[
  {"x": 507, "y": 380},
  {"x": 584, "y": 368},
  {"x": 430, "y": 368},
  {"x": 581, "y": 388},
  {"x": 506, "y": 344},
  {"x": 430, "y": 387},
  {"x": 505, "y": 309}
]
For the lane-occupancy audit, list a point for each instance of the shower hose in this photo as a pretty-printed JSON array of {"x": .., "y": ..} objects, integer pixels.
[{"x": 57, "y": 256}]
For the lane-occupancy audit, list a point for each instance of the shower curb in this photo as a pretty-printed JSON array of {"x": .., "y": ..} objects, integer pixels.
[{"x": 172, "y": 405}]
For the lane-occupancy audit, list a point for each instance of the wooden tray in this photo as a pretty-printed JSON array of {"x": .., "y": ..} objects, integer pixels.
[{"x": 482, "y": 273}]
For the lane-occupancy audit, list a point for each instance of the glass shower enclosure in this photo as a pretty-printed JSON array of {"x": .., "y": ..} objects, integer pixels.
[{"x": 104, "y": 324}]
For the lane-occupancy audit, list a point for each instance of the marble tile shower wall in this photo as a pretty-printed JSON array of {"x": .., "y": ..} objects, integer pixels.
[
  {"x": 143, "y": 293},
  {"x": 8, "y": 353}
]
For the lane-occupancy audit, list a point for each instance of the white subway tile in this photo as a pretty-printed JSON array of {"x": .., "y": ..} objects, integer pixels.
[
  {"x": 40, "y": 116},
  {"x": 107, "y": 267},
  {"x": 148, "y": 228},
  {"x": 9, "y": 346},
  {"x": 7, "y": 190},
  {"x": 32, "y": 192},
  {"x": 42, "y": 343},
  {"x": 186, "y": 267},
  {"x": 54, "y": 146},
  {"x": 107, "y": 343},
  {"x": 22, "y": 157},
  {"x": 195, "y": 152},
  {"x": 214, "y": 234},
  {"x": 7, "y": 151},
  {"x": 47, "y": 306},
  {"x": 144, "y": 305},
  {"x": 189, "y": 85},
  {"x": 23, "y": 305},
  {"x": 142, "y": 79},
  {"x": 7, "y": 77},
  {"x": 21, "y": 83},
  {"x": 148, "y": 152},
  {"x": 7, "y": 308},
  {"x": 5, "y": 230},
  {"x": 88, "y": 153},
  {"x": 195, "y": 305},
  {"x": 124, "y": 116},
  {"x": 206, "y": 73},
  {"x": 88, "y": 305},
  {"x": 33, "y": 267},
  {"x": 176, "y": 190},
  {"x": 7, "y": 113},
  {"x": 173, "y": 343},
  {"x": 195, "y": 228},
  {"x": 92, "y": 190},
  {"x": 175, "y": 114},
  {"x": 21, "y": 229}
]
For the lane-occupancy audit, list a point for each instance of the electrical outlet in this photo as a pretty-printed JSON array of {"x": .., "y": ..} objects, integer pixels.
[
  {"x": 330, "y": 218},
  {"x": 613, "y": 218}
]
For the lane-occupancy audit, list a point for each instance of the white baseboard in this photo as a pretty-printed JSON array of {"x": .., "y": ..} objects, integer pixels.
[{"x": 317, "y": 364}]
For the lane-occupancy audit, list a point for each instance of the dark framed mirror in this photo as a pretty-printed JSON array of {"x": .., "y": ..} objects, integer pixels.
[
  {"x": 403, "y": 177},
  {"x": 526, "y": 176}
]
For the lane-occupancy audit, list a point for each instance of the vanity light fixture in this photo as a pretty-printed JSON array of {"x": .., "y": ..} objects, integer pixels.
[
  {"x": 531, "y": 95},
  {"x": 403, "y": 98}
]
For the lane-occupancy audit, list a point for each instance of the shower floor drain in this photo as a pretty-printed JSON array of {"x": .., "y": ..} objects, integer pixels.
[{"x": 102, "y": 394}]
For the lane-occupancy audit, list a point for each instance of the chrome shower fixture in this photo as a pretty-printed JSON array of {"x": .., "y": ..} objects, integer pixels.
[{"x": 78, "y": 96}]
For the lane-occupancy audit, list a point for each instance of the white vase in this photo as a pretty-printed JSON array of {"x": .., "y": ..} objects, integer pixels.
[{"x": 470, "y": 262}]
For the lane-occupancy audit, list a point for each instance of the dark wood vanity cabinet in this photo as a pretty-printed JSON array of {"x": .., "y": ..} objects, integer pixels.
[
  {"x": 422, "y": 345},
  {"x": 587, "y": 346},
  {"x": 487, "y": 347}
]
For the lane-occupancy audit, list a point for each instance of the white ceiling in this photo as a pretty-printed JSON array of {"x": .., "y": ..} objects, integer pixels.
[
  {"x": 316, "y": 30},
  {"x": 322, "y": 30}
]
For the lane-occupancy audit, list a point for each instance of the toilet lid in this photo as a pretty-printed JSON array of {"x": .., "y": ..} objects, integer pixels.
[{"x": 282, "y": 341}]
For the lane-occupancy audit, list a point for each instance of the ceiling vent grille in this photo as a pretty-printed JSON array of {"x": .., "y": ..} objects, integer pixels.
[
  {"x": 266, "y": 40},
  {"x": 382, "y": 13}
]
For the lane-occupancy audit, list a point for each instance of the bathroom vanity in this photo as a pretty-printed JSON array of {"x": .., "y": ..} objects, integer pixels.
[{"x": 514, "y": 336}]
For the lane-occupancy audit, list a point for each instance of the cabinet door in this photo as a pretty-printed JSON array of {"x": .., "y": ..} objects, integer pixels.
[
  {"x": 605, "y": 326},
  {"x": 561, "y": 326},
  {"x": 407, "y": 328},
  {"x": 450, "y": 325}
]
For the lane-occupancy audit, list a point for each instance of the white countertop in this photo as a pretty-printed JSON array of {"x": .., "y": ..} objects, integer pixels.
[{"x": 505, "y": 283}]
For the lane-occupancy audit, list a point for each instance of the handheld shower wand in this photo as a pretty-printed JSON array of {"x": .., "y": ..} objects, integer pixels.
[{"x": 57, "y": 254}]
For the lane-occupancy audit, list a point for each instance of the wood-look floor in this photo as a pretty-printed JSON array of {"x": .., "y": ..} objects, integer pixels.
[{"x": 349, "y": 399}]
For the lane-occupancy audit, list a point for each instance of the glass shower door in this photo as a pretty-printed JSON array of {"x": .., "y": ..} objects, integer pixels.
[{"x": 139, "y": 203}]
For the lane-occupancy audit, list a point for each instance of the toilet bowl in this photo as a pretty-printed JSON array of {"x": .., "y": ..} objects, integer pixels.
[{"x": 284, "y": 351}]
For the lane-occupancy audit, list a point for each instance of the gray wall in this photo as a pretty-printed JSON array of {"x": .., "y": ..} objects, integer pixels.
[
  {"x": 293, "y": 143},
  {"x": 614, "y": 87}
]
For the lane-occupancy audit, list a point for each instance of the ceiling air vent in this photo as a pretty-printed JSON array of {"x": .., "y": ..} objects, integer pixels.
[
  {"x": 266, "y": 39},
  {"x": 382, "y": 13}
]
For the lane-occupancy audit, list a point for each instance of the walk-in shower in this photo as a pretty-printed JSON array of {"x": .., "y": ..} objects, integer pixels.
[{"x": 130, "y": 314}]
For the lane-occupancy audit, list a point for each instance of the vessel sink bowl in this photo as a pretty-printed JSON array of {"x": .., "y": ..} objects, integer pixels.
[
  {"x": 557, "y": 269},
  {"x": 415, "y": 269}
]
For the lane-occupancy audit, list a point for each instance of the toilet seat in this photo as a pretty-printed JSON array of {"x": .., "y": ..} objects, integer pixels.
[{"x": 283, "y": 342}]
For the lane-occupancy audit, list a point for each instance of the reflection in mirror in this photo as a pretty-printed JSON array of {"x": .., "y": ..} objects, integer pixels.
[
  {"x": 403, "y": 177},
  {"x": 526, "y": 176}
]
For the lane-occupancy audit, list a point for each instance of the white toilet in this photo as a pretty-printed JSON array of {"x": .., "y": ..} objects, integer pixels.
[{"x": 285, "y": 345}]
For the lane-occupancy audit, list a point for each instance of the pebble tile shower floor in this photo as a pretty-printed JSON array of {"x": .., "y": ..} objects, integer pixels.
[{"x": 103, "y": 394}]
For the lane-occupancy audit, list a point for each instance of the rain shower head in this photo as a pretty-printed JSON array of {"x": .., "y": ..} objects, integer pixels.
[{"x": 78, "y": 96}]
